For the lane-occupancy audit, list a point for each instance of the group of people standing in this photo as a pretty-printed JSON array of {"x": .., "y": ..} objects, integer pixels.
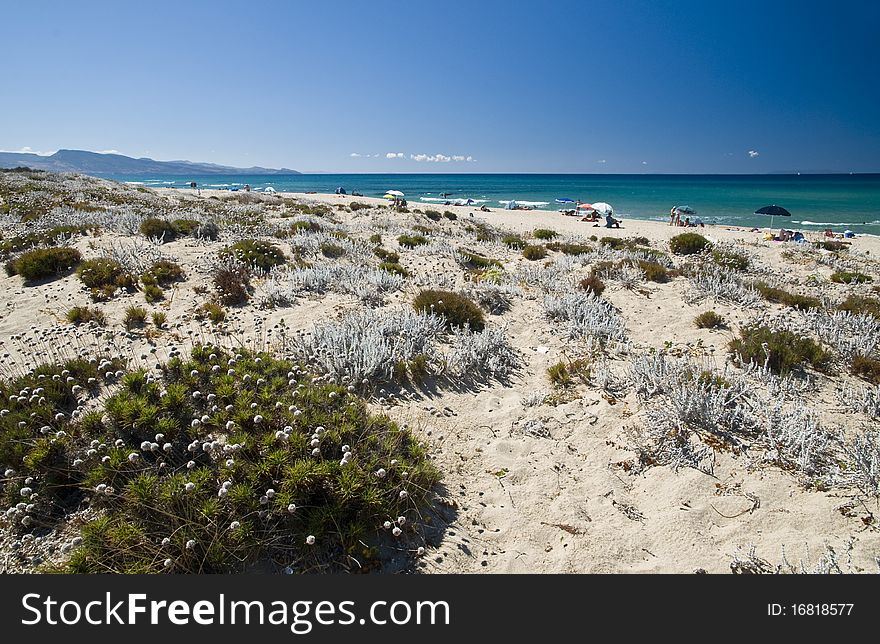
[{"x": 676, "y": 220}]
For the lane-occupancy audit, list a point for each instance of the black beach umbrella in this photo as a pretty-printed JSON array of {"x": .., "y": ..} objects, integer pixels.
[{"x": 773, "y": 211}]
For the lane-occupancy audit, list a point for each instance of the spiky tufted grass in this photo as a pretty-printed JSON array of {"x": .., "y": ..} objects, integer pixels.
[
  {"x": 709, "y": 320},
  {"x": 218, "y": 463},
  {"x": 103, "y": 276},
  {"x": 86, "y": 314}
]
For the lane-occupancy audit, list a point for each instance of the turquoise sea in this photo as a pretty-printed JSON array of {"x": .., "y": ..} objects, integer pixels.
[{"x": 838, "y": 201}]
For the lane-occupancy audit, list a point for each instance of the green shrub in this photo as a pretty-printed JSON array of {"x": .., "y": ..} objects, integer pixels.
[
  {"x": 785, "y": 350},
  {"x": 104, "y": 275},
  {"x": 85, "y": 314},
  {"x": 376, "y": 239},
  {"x": 185, "y": 227},
  {"x": 332, "y": 251},
  {"x": 475, "y": 261},
  {"x": 159, "y": 319},
  {"x": 614, "y": 243},
  {"x": 566, "y": 374},
  {"x": 533, "y": 253},
  {"x": 254, "y": 252},
  {"x": 709, "y": 320},
  {"x": 42, "y": 263},
  {"x": 830, "y": 244},
  {"x": 844, "y": 277},
  {"x": 433, "y": 215},
  {"x": 354, "y": 206},
  {"x": 544, "y": 233},
  {"x": 135, "y": 316},
  {"x": 45, "y": 238},
  {"x": 153, "y": 293},
  {"x": 730, "y": 259},
  {"x": 451, "y": 216},
  {"x": 457, "y": 310},
  {"x": 514, "y": 242},
  {"x": 781, "y": 296},
  {"x": 186, "y": 519},
  {"x": 158, "y": 228},
  {"x": 867, "y": 368},
  {"x": 411, "y": 241},
  {"x": 212, "y": 311},
  {"x": 653, "y": 271},
  {"x": 165, "y": 272},
  {"x": 592, "y": 284},
  {"x": 394, "y": 267},
  {"x": 569, "y": 249},
  {"x": 688, "y": 244},
  {"x": 857, "y": 304},
  {"x": 386, "y": 255}
]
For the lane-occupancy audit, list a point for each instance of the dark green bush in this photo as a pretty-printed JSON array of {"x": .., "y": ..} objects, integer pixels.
[
  {"x": 433, "y": 215},
  {"x": 376, "y": 238},
  {"x": 42, "y": 263},
  {"x": 709, "y": 320},
  {"x": 255, "y": 252},
  {"x": 475, "y": 261},
  {"x": 135, "y": 316},
  {"x": 165, "y": 272},
  {"x": 354, "y": 206},
  {"x": 104, "y": 275},
  {"x": 170, "y": 510},
  {"x": 845, "y": 277},
  {"x": 457, "y": 310},
  {"x": 785, "y": 350},
  {"x": 332, "y": 251},
  {"x": 861, "y": 305},
  {"x": 867, "y": 368},
  {"x": 514, "y": 242},
  {"x": 569, "y": 249},
  {"x": 653, "y": 271},
  {"x": 386, "y": 255},
  {"x": 544, "y": 233},
  {"x": 185, "y": 227},
  {"x": 730, "y": 259},
  {"x": 411, "y": 241},
  {"x": 394, "y": 267},
  {"x": 451, "y": 216},
  {"x": 85, "y": 314},
  {"x": 781, "y": 296},
  {"x": 688, "y": 244},
  {"x": 533, "y": 253},
  {"x": 158, "y": 228},
  {"x": 830, "y": 244}
]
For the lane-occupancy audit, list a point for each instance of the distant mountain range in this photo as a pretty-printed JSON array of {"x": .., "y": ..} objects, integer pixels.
[{"x": 96, "y": 163}]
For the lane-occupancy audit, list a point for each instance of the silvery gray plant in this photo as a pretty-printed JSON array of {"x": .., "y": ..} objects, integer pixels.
[
  {"x": 863, "y": 399},
  {"x": 367, "y": 345},
  {"x": 486, "y": 352},
  {"x": 285, "y": 283},
  {"x": 709, "y": 280},
  {"x": 586, "y": 315}
]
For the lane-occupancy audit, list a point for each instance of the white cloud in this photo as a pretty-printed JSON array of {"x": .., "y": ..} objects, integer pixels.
[
  {"x": 108, "y": 151},
  {"x": 29, "y": 150},
  {"x": 753, "y": 154},
  {"x": 441, "y": 158},
  {"x": 355, "y": 155},
  {"x": 394, "y": 155},
  {"x": 644, "y": 163},
  {"x": 601, "y": 161}
]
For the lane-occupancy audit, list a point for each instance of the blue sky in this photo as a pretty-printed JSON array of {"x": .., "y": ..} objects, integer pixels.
[{"x": 551, "y": 86}]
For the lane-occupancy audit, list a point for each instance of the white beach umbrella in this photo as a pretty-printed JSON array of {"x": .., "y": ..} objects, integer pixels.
[
  {"x": 395, "y": 193},
  {"x": 269, "y": 189},
  {"x": 603, "y": 208}
]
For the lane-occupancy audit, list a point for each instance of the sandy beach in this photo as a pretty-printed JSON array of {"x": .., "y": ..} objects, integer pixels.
[{"x": 537, "y": 476}]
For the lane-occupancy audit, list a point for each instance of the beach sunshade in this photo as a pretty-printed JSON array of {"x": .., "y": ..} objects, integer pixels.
[
  {"x": 389, "y": 196},
  {"x": 268, "y": 189},
  {"x": 685, "y": 210},
  {"x": 603, "y": 208},
  {"x": 394, "y": 193},
  {"x": 564, "y": 200},
  {"x": 585, "y": 206},
  {"x": 773, "y": 211}
]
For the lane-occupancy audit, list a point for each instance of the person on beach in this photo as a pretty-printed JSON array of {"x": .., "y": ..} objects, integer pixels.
[
  {"x": 611, "y": 222},
  {"x": 672, "y": 216},
  {"x": 484, "y": 208}
]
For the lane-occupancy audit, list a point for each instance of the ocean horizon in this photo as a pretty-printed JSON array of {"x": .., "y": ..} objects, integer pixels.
[{"x": 816, "y": 201}]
